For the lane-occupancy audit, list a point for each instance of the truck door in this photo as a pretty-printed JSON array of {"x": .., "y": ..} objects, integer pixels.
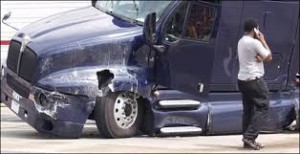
[
  {"x": 188, "y": 35},
  {"x": 278, "y": 21}
]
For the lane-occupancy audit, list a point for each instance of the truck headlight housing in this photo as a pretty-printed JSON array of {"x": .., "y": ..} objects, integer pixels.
[{"x": 45, "y": 100}]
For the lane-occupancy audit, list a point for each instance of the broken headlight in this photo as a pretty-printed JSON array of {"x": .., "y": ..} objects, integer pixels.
[{"x": 45, "y": 100}]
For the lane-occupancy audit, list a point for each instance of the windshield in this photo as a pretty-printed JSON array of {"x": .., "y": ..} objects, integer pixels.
[{"x": 133, "y": 10}]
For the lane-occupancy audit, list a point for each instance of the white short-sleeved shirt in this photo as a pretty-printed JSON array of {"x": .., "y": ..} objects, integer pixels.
[{"x": 248, "y": 48}]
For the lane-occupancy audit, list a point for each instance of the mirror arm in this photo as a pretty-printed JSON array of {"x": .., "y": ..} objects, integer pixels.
[
  {"x": 10, "y": 25},
  {"x": 6, "y": 16}
]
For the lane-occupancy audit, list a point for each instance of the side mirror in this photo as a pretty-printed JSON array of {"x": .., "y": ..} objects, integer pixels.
[
  {"x": 6, "y": 16},
  {"x": 149, "y": 28}
]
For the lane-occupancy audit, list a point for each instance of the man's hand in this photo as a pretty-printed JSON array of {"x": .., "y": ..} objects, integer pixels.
[
  {"x": 259, "y": 58},
  {"x": 260, "y": 37}
]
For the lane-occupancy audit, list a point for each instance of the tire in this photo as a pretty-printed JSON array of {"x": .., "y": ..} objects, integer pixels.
[
  {"x": 118, "y": 115},
  {"x": 292, "y": 121}
]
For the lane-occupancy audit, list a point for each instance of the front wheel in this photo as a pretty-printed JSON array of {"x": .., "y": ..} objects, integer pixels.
[{"x": 118, "y": 115}]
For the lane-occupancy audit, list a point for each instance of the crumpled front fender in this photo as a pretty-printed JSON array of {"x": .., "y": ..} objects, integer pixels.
[
  {"x": 75, "y": 81},
  {"x": 85, "y": 81},
  {"x": 131, "y": 79}
]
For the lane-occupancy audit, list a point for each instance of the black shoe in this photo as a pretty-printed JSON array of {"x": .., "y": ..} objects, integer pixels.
[
  {"x": 250, "y": 144},
  {"x": 261, "y": 146},
  {"x": 246, "y": 146}
]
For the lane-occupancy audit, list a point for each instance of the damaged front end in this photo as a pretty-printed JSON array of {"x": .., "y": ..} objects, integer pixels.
[
  {"x": 63, "y": 115},
  {"x": 52, "y": 81},
  {"x": 63, "y": 107}
]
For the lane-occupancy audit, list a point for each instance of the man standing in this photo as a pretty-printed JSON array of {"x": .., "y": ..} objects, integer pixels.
[{"x": 252, "y": 51}]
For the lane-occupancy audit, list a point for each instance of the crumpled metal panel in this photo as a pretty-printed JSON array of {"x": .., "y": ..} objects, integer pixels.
[{"x": 83, "y": 81}]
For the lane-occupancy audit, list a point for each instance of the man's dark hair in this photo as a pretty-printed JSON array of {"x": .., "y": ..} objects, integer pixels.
[{"x": 250, "y": 24}]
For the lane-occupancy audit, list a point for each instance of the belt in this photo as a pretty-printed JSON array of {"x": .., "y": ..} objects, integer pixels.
[{"x": 250, "y": 79}]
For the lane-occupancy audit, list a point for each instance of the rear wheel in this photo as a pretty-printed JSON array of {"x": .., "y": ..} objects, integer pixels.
[{"x": 118, "y": 115}]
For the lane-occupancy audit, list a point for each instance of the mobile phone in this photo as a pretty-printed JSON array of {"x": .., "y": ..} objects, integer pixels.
[{"x": 256, "y": 31}]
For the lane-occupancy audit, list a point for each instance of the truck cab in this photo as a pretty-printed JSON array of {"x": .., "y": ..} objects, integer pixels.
[{"x": 156, "y": 67}]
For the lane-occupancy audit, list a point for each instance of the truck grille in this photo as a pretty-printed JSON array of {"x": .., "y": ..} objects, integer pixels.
[
  {"x": 27, "y": 64},
  {"x": 17, "y": 86},
  {"x": 13, "y": 55}
]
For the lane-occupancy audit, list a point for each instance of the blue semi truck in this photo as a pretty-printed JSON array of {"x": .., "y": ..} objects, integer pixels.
[{"x": 149, "y": 67}]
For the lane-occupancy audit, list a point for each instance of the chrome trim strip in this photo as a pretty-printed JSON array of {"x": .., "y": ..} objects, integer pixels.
[
  {"x": 180, "y": 129},
  {"x": 25, "y": 41},
  {"x": 178, "y": 103}
]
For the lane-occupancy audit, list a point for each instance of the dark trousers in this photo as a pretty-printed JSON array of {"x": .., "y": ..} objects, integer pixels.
[{"x": 255, "y": 106}]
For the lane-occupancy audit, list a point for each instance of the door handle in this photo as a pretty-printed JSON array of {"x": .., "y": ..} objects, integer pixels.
[{"x": 200, "y": 87}]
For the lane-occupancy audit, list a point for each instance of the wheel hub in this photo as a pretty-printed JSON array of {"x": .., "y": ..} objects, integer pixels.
[
  {"x": 128, "y": 110},
  {"x": 125, "y": 110}
]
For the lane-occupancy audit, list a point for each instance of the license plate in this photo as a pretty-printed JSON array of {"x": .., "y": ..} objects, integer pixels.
[
  {"x": 15, "y": 106},
  {"x": 16, "y": 96},
  {"x": 15, "y": 102}
]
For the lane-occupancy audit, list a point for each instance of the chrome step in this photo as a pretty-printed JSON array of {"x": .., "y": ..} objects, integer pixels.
[
  {"x": 181, "y": 130},
  {"x": 178, "y": 103}
]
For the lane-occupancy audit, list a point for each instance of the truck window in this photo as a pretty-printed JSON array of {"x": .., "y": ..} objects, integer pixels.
[
  {"x": 174, "y": 26},
  {"x": 200, "y": 22}
]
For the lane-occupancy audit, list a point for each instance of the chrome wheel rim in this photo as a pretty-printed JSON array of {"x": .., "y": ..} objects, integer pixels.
[{"x": 125, "y": 110}]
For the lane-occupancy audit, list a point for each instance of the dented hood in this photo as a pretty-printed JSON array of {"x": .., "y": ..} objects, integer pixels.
[{"x": 73, "y": 27}]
